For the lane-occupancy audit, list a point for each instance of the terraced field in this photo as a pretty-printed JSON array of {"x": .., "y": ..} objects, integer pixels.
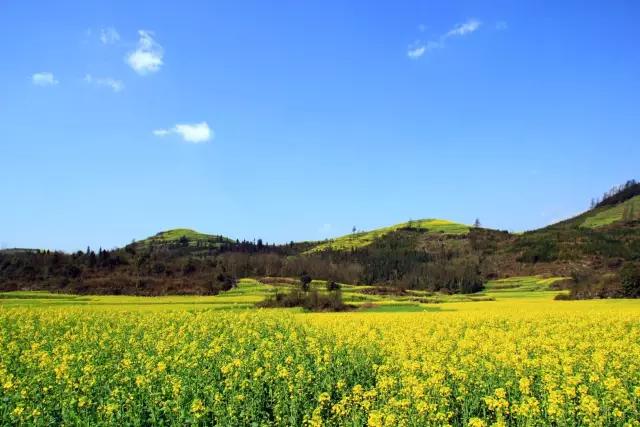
[{"x": 248, "y": 292}]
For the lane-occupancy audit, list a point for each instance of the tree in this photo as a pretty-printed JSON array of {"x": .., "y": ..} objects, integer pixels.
[
  {"x": 333, "y": 286},
  {"x": 305, "y": 281},
  {"x": 92, "y": 259},
  {"x": 189, "y": 268},
  {"x": 630, "y": 279},
  {"x": 353, "y": 230},
  {"x": 477, "y": 224}
]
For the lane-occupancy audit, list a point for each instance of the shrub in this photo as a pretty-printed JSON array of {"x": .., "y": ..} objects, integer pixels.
[
  {"x": 305, "y": 282},
  {"x": 630, "y": 280},
  {"x": 333, "y": 286},
  {"x": 311, "y": 301}
]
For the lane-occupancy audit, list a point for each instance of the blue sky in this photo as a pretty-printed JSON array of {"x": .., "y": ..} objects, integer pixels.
[{"x": 299, "y": 120}]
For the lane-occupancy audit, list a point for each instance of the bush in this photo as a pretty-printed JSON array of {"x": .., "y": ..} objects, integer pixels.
[
  {"x": 539, "y": 251},
  {"x": 311, "y": 301},
  {"x": 305, "y": 282},
  {"x": 630, "y": 280},
  {"x": 333, "y": 286}
]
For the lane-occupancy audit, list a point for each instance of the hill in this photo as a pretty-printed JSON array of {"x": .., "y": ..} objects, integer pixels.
[
  {"x": 184, "y": 237},
  {"x": 366, "y": 238}
]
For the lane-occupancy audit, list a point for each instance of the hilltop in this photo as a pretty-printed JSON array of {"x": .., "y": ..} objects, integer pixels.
[
  {"x": 184, "y": 237},
  {"x": 366, "y": 238}
]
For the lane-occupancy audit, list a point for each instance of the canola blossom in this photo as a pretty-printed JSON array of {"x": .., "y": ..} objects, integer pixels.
[{"x": 75, "y": 366}]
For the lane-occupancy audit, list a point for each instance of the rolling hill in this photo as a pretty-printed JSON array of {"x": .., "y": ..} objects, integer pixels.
[
  {"x": 184, "y": 237},
  {"x": 365, "y": 238}
]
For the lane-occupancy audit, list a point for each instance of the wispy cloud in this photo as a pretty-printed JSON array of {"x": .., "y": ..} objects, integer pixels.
[
  {"x": 416, "y": 52},
  {"x": 113, "y": 84},
  {"x": 44, "y": 78},
  {"x": 419, "y": 48},
  {"x": 463, "y": 29},
  {"x": 109, "y": 35},
  {"x": 195, "y": 133},
  {"x": 501, "y": 25},
  {"x": 161, "y": 132},
  {"x": 147, "y": 58}
]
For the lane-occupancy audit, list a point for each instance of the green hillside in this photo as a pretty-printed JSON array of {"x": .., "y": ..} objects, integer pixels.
[
  {"x": 361, "y": 239},
  {"x": 606, "y": 215},
  {"x": 184, "y": 237}
]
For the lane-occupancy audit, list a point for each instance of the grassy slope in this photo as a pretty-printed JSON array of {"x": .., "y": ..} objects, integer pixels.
[
  {"x": 366, "y": 238},
  {"x": 610, "y": 214},
  {"x": 173, "y": 236},
  {"x": 598, "y": 217}
]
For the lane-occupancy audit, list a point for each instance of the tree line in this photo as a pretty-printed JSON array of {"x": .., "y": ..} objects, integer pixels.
[{"x": 447, "y": 263}]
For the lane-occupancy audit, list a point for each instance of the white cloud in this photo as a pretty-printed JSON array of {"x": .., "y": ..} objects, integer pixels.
[
  {"x": 161, "y": 132},
  {"x": 195, "y": 133},
  {"x": 109, "y": 35},
  {"x": 416, "y": 52},
  {"x": 419, "y": 48},
  {"x": 147, "y": 58},
  {"x": 113, "y": 84},
  {"x": 462, "y": 29},
  {"x": 44, "y": 79}
]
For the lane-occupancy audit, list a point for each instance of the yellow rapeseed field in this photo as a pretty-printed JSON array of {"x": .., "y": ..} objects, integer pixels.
[{"x": 560, "y": 363}]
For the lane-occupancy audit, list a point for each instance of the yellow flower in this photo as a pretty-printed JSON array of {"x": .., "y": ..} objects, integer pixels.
[
  {"x": 17, "y": 411},
  {"x": 197, "y": 408},
  {"x": 375, "y": 419},
  {"x": 525, "y": 385},
  {"x": 476, "y": 422},
  {"x": 324, "y": 398},
  {"x": 140, "y": 380}
]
